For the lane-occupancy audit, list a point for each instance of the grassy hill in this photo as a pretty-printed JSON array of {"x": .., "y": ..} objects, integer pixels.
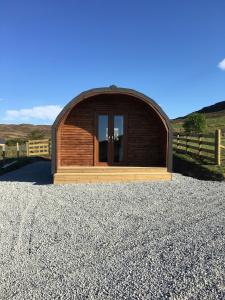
[
  {"x": 215, "y": 118},
  {"x": 12, "y": 131}
]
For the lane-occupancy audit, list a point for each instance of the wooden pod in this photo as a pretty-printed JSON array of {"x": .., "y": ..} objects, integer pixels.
[{"x": 111, "y": 127}]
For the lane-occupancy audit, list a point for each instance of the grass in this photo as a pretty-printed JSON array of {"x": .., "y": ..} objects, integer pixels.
[{"x": 191, "y": 166}]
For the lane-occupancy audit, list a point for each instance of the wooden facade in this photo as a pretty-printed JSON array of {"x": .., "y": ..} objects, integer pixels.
[{"x": 111, "y": 129}]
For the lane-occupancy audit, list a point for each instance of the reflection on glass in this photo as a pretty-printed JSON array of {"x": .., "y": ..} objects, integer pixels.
[
  {"x": 118, "y": 138},
  {"x": 103, "y": 138}
]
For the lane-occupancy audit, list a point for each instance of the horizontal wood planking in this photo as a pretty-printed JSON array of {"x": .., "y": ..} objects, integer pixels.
[
  {"x": 38, "y": 141},
  {"x": 74, "y": 169},
  {"x": 196, "y": 135},
  {"x": 60, "y": 178},
  {"x": 192, "y": 147},
  {"x": 208, "y": 151},
  {"x": 207, "y": 143},
  {"x": 147, "y": 137},
  {"x": 196, "y": 141},
  {"x": 206, "y": 157},
  {"x": 38, "y": 147}
]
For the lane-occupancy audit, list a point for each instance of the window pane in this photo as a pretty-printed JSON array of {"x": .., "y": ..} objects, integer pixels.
[
  {"x": 118, "y": 138},
  {"x": 103, "y": 137}
]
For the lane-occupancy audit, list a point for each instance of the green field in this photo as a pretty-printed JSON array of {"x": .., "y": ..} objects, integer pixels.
[
  {"x": 214, "y": 121},
  {"x": 189, "y": 165}
]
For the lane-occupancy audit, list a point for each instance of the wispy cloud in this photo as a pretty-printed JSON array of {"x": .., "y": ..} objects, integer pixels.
[
  {"x": 221, "y": 65},
  {"x": 45, "y": 113}
]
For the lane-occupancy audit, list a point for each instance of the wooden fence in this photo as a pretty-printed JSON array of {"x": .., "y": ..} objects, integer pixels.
[
  {"x": 28, "y": 149},
  {"x": 39, "y": 147},
  {"x": 208, "y": 147}
]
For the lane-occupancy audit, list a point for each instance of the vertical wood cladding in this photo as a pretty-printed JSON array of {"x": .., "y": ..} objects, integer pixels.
[{"x": 146, "y": 134}]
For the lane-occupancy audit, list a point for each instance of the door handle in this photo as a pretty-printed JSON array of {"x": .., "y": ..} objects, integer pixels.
[{"x": 111, "y": 138}]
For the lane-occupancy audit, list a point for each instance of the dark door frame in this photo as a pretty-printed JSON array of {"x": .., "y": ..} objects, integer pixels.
[{"x": 110, "y": 162}]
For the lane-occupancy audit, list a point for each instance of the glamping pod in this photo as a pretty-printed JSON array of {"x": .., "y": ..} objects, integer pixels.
[{"x": 111, "y": 134}]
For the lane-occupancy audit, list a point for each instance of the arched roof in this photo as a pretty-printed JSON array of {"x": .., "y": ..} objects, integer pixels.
[
  {"x": 111, "y": 90},
  {"x": 106, "y": 91}
]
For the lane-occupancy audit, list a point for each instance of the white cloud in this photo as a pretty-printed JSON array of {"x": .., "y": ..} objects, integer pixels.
[
  {"x": 47, "y": 113},
  {"x": 221, "y": 65}
]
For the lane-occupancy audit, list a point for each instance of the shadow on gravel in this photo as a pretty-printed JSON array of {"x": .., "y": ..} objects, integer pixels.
[
  {"x": 37, "y": 173},
  {"x": 191, "y": 169}
]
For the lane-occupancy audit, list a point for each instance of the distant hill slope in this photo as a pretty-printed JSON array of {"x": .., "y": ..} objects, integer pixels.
[
  {"x": 11, "y": 131},
  {"x": 215, "y": 117},
  {"x": 218, "y": 107}
]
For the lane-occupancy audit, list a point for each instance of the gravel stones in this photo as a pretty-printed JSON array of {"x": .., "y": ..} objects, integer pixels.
[{"x": 152, "y": 240}]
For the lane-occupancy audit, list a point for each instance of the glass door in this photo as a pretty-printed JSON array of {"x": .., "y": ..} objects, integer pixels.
[{"x": 110, "y": 140}]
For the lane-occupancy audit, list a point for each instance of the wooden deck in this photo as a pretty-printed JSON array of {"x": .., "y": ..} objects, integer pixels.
[{"x": 110, "y": 174}]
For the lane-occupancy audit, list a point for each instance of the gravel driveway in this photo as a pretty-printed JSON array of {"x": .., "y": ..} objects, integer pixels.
[{"x": 161, "y": 240}]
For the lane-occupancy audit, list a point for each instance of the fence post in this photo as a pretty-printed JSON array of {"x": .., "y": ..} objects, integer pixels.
[
  {"x": 27, "y": 148},
  {"x": 199, "y": 144},
  {"x": 49, "y": 147},
  {"x": 186, "y": 143},
  {"x": 217, "y": 147},
  {"x": 3, "y": 153},
  {"x": 178, "y": 142},
  {"x": 17, "y": 150}
]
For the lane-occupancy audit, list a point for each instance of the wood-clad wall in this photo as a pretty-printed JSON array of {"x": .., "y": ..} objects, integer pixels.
[{"x": 147, "y": 136}]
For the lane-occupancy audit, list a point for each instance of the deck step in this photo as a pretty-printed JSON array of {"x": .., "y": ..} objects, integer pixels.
[
  {"x": 97, "y": 177},
  {"x": 111, "y": 170}
]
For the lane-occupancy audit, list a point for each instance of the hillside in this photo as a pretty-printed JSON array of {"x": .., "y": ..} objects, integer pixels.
[
  {"x": 11, "y": 131},
  {"x": 215, "y": 117}
]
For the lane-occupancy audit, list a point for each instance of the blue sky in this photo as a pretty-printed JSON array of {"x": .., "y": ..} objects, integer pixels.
[{"x": 50, "y": 51}]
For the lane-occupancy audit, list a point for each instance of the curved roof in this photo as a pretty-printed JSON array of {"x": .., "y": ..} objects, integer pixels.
[{"x": 111, "y": 90}]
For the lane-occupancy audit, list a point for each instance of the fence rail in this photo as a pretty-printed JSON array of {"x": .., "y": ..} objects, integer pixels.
[
  {"x": 39, "y": 147},
  {"x": 206, "y": 146},
  {"x": 28, "y": 149}
]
